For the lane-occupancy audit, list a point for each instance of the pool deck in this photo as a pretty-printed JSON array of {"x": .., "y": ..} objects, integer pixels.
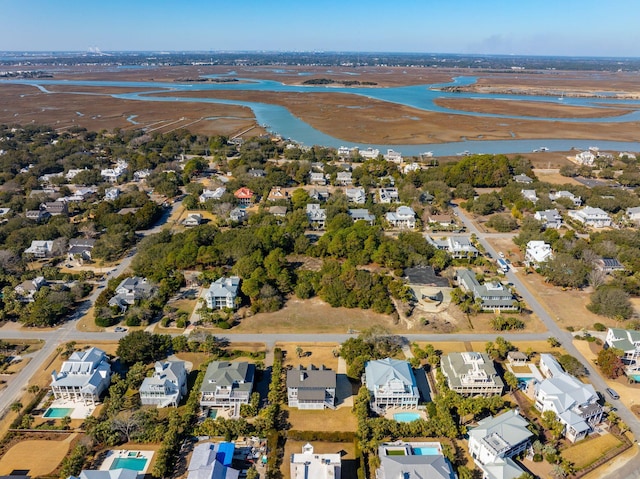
[
  {"x": 114, "y": 454},
  {"x": 80, "y": 410},
  {"x": 389, "y": 412},
  {"x": 533, "y": 372}
]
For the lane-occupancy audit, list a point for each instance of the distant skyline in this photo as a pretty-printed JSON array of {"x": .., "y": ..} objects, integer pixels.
[{"x": 543, "y": 27}]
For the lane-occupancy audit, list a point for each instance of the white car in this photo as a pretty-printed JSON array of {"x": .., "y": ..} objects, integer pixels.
[{"x": 501, "y": 254}]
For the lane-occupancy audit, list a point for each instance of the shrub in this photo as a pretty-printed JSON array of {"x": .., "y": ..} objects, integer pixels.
[
  {"x": 133, "y": 321},
  {"x": 105, "y": 322},
  {"x": 537, "y": 458},
  {"x": 181, "y": 323},
  {"x": 500, "y": 323},
  {"x": 599, "y": 327}
]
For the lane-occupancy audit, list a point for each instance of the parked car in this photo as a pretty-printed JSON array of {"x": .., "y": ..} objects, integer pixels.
[
  {"x": 612, "y": 393},
  {"x": 120, "y": 329}
]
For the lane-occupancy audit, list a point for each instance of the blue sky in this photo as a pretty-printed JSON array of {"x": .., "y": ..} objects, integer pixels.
[{"x": 530, "y": 27}]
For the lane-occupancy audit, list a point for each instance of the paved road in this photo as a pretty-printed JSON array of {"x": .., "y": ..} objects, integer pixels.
[{"x": 566, "y": 339}]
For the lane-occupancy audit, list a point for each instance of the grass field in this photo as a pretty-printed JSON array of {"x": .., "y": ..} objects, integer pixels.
[
  {"x": 341, "y": 420},
  {"x": 588, "y": 451},
  {"x": 41, "y": 457},
  {"x": 312, "y": 353}
]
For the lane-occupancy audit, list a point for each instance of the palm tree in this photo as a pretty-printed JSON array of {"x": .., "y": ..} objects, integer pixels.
[
  {"x": 16, "y": 406},
  {"x": 33, "y": 389}
]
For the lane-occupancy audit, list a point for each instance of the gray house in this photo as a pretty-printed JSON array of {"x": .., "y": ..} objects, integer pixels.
[
  {"x": 131, "y": 290},
  {"x": 391, "y": 383},
  {"x": 401, "y": 460},
  {"x": 167, "y": 385},
  {"x": 471, "y": 373},
  {"x": 227, "y": 385},
  {"x": 311, "y": 388},
  {"x": 492, "y": 295}
]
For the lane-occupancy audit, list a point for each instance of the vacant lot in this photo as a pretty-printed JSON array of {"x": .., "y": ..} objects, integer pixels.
[
  {"x": 41, "y": 457},
  {"x": 590, "y": 450},
  {"x": 312, "y": 316},
  {"x": 341, "y": 420},
  {"x": 312, "y": 354},
  {"x": 553, "y": 176}
]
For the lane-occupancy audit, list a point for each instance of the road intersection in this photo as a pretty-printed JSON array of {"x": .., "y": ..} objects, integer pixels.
[{"x": 69, "y": 332}]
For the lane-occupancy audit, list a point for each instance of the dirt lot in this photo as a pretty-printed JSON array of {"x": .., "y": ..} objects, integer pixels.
[
  {"x": 312, "y": 354},
  {"x": 47, "y": 457},
  {"x": 341, "y": 419},
  {"x": 312, "y": 316},
  {"x": 554, "y": 177}
]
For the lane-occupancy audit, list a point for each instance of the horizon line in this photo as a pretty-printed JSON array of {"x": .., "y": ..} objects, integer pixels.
[{"x": 99, "y": 52}]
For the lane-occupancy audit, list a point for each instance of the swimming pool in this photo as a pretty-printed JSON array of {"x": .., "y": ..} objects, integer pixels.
[
  {"x": 134, "y": 463},
  {"x": 57, "y": 412},
  {"x": 213, "y": 413},
  {"x": 636, "y": 377},
  {"x": 425, "y": 451},
  {"x": 406, "y": 416}
]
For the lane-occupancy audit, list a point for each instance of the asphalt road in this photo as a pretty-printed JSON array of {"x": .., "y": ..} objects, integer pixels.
[
  {"x": 16, "y": 387},
  {"x": 567, "y": 343}
]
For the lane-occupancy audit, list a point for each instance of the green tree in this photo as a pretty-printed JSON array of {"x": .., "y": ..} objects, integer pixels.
[
  {"x": 611, "y": 301},
  {"x": 610, "y": 362},
  {"x": 142, "y": 346}
]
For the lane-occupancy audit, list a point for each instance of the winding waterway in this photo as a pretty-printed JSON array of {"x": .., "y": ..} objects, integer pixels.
[{"x": 279, "y": 120}]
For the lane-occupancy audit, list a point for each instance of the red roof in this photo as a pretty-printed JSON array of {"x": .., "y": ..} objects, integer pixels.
[{"x": 243, "y": 193}]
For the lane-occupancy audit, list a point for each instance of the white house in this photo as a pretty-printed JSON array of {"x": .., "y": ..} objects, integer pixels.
[
  {"x": 83, "y": 377},
  {"x": 391, "y": 383},
  {"x": 471, "y": 373},
  {"x": 404, "y": 217},
  {"x": 222, "y": 293},
  {"x": 633, "y": 214},
  {"x": 362, "y": 214},
  {"x": 388, "y": 195},
  {"x": 316, "y": 178},
  {"x": 585, "y": 158},
  {"x": 522, "y": 179},
  {"x": 537, "y": 252},
  {"x": 576, "y": 200},
  {"x": 356, "y": 195},
  {"x": 111, "y": 194},
  {"x": 458, "y": 247},
  {"x": 167, "y": 385},
  {"x": 114, "y": 174},
  {"x": 311, "y": 465},
  {"x": 495, "y": 440},
  {"x": 369, "y": 153},
  {"x": 627, "y": 341},
  {"x": 40, "y": 249},
  {"x": 530, "y": 195},
  {"x": 549, "y": 218},
  {"x": 594, "y": 217},
  {"x": 211, "y": 194},
  {"x": 574, "y": 402},
  {"x": 317, "y": 216},
  {"x": 192, "y": 219},
  {"x": 394, "y": 156},
  {"x": 344, "y": 178},
  {"x": 28, "y": 288}
]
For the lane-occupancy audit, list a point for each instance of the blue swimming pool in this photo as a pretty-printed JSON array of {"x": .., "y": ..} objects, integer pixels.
[
  {"x": 406, "y": 416},
  {"x": 425, "y": 451},
  {"x": 57, "y": 412},
  {"x": 636, "y": 377},
  {"x": 134, "y": 463}
]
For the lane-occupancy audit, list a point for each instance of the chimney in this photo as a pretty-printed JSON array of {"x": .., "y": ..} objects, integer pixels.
[{"x": 302, "y": 376}]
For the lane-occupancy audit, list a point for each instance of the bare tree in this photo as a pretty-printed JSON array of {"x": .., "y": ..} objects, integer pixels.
[
  {"x": 9, "y": 261},
  {"x": 590, "y": 257},
  {"x": 126, "y": 423},
  {"x": 596, "y": 278}
]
